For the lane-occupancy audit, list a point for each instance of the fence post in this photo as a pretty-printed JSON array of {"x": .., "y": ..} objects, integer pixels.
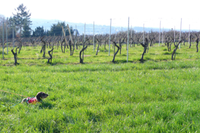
[
  {"x": 180, "y": 33},
  {"x": 174, "y": 34},
  {"x": 162, "y": 36},
  {"x": 159, "y": 33},
  {"x": 13, "y": 25},
  {"x": 109, "y": 36},
  {"x": 143, "y": 33},
  {"x": 7, "y": 35},
  {"x": 75, "y": 42},
  {"x": 128, "y": 38},
  {"x": 83, "y": 40},
  {"x": 93, "y": 35},
  {"x": 189, "y": 36},
  {"x": 113, "y": 43},
  {"x": 131, "y": 32}
]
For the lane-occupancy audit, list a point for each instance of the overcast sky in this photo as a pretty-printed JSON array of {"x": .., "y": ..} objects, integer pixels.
[{"x": 147, "y": 12}]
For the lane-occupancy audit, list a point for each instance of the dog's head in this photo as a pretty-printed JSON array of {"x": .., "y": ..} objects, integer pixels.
[{"x": 41, "y": 95}]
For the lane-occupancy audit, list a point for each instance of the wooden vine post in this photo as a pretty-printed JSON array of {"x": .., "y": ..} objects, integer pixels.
[
  {"x": 71, "y": 51},
  {"x": 64, "y": 35},
  {"x": 71, "y": 43}
]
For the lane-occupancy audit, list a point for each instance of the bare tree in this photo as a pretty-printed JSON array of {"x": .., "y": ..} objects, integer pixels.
[
  {"x": 190, "y": 41},
  {"x": 197, "y": 40},
  {"x": 106, "y": 40},
  {"x": 121, "y": 41},
  {"x": 62, "y": 45},
  {"x": 151, "y": 38},
  {"x": 183, "y": 37},
  {"x": 176, "y": 47},
  {"x": 32, "y": 41},
  {"x": 15, "y": 55},
  {"x": 118, "y": 48},
  {"x": 145, "y": 45},
  {"x": 137, "y": 38},
  {"x": 20, "y": 44},
  {"x": 132, "y": 42},
  {"x": 168, "y": 42},
  {"x": 50, "y": 56},
  {"x": 84, "y": 48},
  {"x": 99, "y": 40},
  {"x": 71, "y": 49},
  {"x": 43, "y": 46}
]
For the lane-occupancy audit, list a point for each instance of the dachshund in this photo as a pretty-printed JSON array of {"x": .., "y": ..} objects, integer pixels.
[{"x": 37, "y": 98}]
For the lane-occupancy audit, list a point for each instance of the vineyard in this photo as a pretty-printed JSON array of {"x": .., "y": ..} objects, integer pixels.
[
  {"x": 126, "y": 81},
  {"x": 101, "y": 93},
  {"x": 171, "y": 40},
  {"x": 101, "y": 78}
]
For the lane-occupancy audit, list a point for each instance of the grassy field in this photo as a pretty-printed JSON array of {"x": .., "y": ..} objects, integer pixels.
[{"x": 158, "y": 95}]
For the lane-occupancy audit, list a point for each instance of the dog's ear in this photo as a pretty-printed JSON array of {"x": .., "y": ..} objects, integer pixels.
[{"x": 38, "y": 96}]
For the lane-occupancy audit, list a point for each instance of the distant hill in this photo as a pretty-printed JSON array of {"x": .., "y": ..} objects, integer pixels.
[
  {"x": 99, "y": 29},
  {"x": 1, "y": 17}
]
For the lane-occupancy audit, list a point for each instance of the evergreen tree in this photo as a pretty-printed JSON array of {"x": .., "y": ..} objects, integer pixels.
[
  {"x": 56, "y": 29},
  {"x": 39, "y": 31},
  {"x": 21, "y": 18},
  {"x": 26, "y": 30}
]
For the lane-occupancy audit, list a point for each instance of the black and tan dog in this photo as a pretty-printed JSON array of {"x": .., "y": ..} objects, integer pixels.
[{"x": 37, "y": 98}]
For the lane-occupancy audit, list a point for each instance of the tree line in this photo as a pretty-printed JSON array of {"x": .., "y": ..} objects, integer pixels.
[{"x": 19, "y": 25}]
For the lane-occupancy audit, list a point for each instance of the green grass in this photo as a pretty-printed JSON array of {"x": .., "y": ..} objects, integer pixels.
[{"x": 158, "y": 95}]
